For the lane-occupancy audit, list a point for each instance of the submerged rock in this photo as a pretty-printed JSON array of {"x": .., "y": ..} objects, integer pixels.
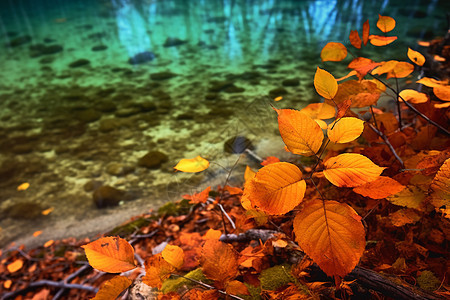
[
  {"x": 18, "y": 41},
  {"x": 88, "y": 115},
  {"x": 24, "y": 210},
  {"x": 162, "y": 75},
  {"x": 41, "y": 49},
  {"x": 153, "y": 160},
  {"x": 141, "y": 58},
  {"x": 106, "y": 195},
  {"x": 291, "y": 82},
  {"x": 79, "y": 63},
  {"x": 173, "y": 42},
  {"x": 118, "y": 169},
  {"x": 99, "y": 48},
  {"x": 237, "y": 144},
  {"x": 277, "y": 92}
]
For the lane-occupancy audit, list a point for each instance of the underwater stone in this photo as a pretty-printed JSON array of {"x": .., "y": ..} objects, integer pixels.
[
  {"x": 217, "y": 86},
  {"x": 92, "y": 185},
  {"x": 88, "y": 115},
  {"x": 18, "y": 41},
  {"x": 107, "y": 125},
  {"x": 147, "y": 106},
  {"x": 79, "y": 63},
  {"x": 46, "y": 60},
  {"x": 291, "y": 82},
  {"x": 153, "y": 160},
  {"x": 234, "y": 89},
  {"x": 106, "y": 107},
  {"x": 211, "y": 96},
  {"x": 278, "y": 92},
  {"x": 41, "y": 49},
  {"x": 127, "y": 112},
  {"x": 173, "y": 42},
  {"x": 237, "y": 144},
  {"x": 24, "y": 210},
  {"x": 118, "y": 169},
  {"x": 99, "y": 48},
  {"x": 162, "y": 75},
  {"x": 22, "y": 148},
  {"x": 141, "y": 58},
  {"x": 106, "y": 195}
]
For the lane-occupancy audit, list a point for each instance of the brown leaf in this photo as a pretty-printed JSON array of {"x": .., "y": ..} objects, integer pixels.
[
  {"x": 219, "y": 261},
  {"x": 157, "y": 270},
  {"x": 381, "y": 188}
]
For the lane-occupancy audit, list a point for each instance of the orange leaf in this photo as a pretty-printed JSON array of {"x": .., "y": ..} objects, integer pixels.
[
  {"x": 15, "y": 266},
  {"x": 379, "y": 40},
  {"x": 270, "y": 160},
  {"x": 201, "y": 197},
  {"x": 380, "y": 188},
  {"x": 385, "y": 23},
  {"x": 331, "y": 233},
  {"x": 343, "y": 107},
  {"x": 233, "y": 190},
  {"x": 361, "y": 94},
  {"x": 394, "y": 69},
  {"x": 411, "y": 197},
  {"x": 192, "y": 165},
  {"x": 333, "y": 52},
  {"x": 325, "y": 84},
  {"x": 442, "y": 92},
  {"x": 24, "y": 186},
  {"x": 156, "y": 271},
  {"x": 249, "y": 174},
  {"x": 416, "y": 57},
  {"x": 363, "y": 66},
  {"x": 301, "y": 134},
  {"x": 219, "y": 261},
  {"x": 174, "y": 255},
  {"x": 37, "y": 233},
  {"x": 440, "y": 186},
  {"x": 276, "y": 189},
  {"x": 47, "y": 211},
  {"x": 319, "y": 111},
  {"x": 110, "y": 254},
  {"x": 350, "y": 74},
  {"x": 7, "y": 284},
  {"x": 345, "y": 130},
  {"x": 413, "y": 96},
  {"x": 48, "y": 243},
  {"x": 112, "y": 288},
  {"x": 430, "y": 82},
  {"x": 350, "y": 170},
  {"x": 212, "y": 234},
  {"x": 235, "y": 287},
  {"x": 404, "y": 216},
  {"x": 355, "y": 40},
  {"x": 365, "y": 35}
]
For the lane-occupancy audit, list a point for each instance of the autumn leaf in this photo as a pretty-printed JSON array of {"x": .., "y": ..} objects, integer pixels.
[
  {"x": 333, "y": 52},
  {"x": 416, "y": 57},
  {"x": 201, "y": 197},
  {"x": 212, "y": 234},
  {"x": 440, "y": 186},
  {"x": 319, "y": 111},
  {"x": 379, "y": 40},
  {"x": 394, "y": 69},
  {"x": 363, "y": 66},
  {"x": 24, "y": 186},
  {"x": 325, "y": 84},
  {"x": 430, "y": 82},
  {"x": 248, "y": 174},
  {"x": 219, "y": 261},
  {"x": 404, "y": 216},
  {"x": 236, "y": 287},
  {"x": 342, "y": 108},
  {"x": 350, "y": 170},
  {"x": 270, "y": 160},
  {"x": 442, "y": 92},
  {"x": 192, "y": 165},
  {"x": 15, "y": 266},
  {"x": 380, "y": 188},
  {"x": 355, "y": 40},
  {"x": 276, "y": 189},
  {"x": 301, "y": 134},
  {"x": 360, "y": 93},
  {"x": 413, "y": 96},
  {"x": 385, "y": 23},
  {"x": 110, "y": 254},
  {"x": 112, "y": 288},
  {"x": 174, "y": 255},
  {"x": 157, "y": 270},
  {"x": 345, "y": 130},
  {"x": 411, "y": 196},
  {"x": 365, "y": 34},
  {"x": 331, "y": 233}
]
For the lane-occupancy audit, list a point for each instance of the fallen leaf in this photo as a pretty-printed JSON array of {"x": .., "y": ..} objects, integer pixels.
[
  {"x": 201, "y": 197},
  {"x": 380, "y": 188},
  {"x": 333, "y": 52},
  {"x": 345, "y": 130},
  {"x": 15, "y": 266},
  {"x": 110, "y": 254},
  {"x": 212, "y": 234},
  {"x": 331, "y": 233},
  {"x": 112, "y": 288},
  {"x": 37, "y": 233},
  {"x": 351, "y": 170},
  {"x": 411, "y": 196},
  {"x": 279, "y": 98},
  {"x": 219, "y": 261},
  {"x": 47, "y": 211},
  {"x": 48, "y": 243},
  {"x": 440, "y": 186},
  {"x": 192, "y": 165},
  {"x": 270, "y": 160},
  {"x": 7, "y": 284},
  {"x": 157, "y": 270},
  {"x": 173, "y": 255},
  {"x": 24, "y": 186},
  {"x": 404, "y": 216},
  {"x": 236, "y": 287}
]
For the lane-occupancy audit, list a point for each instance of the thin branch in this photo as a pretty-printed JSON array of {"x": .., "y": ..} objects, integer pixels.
[
  {"x": 373, "y": 117},
  {"x": 385, "y": 139},
  {"x": 398, "y": 103},
  {"x": 59, "y": 284}
]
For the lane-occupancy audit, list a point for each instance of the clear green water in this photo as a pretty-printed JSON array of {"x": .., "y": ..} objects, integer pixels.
[{"x": 65, "y": 129}]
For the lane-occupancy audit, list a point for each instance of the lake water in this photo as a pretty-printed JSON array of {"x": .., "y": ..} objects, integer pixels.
[{"x": 87, "y": 88}]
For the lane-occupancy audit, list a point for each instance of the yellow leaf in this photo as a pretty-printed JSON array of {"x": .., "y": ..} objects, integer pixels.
[
  {"x": 112, "y": 288},
  {"x": 49, "y": 243},
  {"x": 276, "y": 189},
  {"x": 249, "y": 174},
  {"x": 219, "y": 261},
  {"x": 192, "y": 165},
  {"x": 110, "y": 254},
  {"x": 15, "y": 266},
  {"x": 350, "y": 170},
  {"x": 7, "y": 284},
  {"x": 279, "y": 98},
  {"x": 442, "y": 92},
  {"x": 156, "y": 271},
  {"x": 379, "y": 40},
  {"x": 325, "y": 84},
  {"x": 416, "y": 57},
  {"x": 430, "y": 82},
  {"x": 174, "y": 255},
  {"x": 322, "y": 123},
  {"x": 331, "y": 233},
  {"x": 413, "y": 96},
  {"x": 212, "y": 234},
  {"x": 440, "y": 186},
  {"x": 385, "y": 23},
  {"x": 37, "y": 233},
  {"x": 394, "y": 69},
  {"x": 319, "y": 111},
  {"x": 47, "y": 211},
  {"x": 333, "y": 52},
  {"x": 24, "y": 186},
  {"x": 380, "y": 188},
  {"x": 301, "y": 134},
  {"x": 345, "y": 130},
  {"x": 411, "y": 197}
]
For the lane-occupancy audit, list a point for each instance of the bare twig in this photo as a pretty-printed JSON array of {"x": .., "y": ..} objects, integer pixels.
[
  {"x": 385, "y": 139},
  {"x": 59, "y": 284},
  {"x": 251, "y": 234}
]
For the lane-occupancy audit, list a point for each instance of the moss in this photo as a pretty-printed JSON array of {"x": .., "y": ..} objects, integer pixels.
[
  {"x": 129, "y": 228},
  {"x": 174, "y": 285},
  {"x": 174, "y": 208},
  {"x": 276, "y": 277},
  {"x": 255, "y": 292},
  {"x": 427, "y": 281}
]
